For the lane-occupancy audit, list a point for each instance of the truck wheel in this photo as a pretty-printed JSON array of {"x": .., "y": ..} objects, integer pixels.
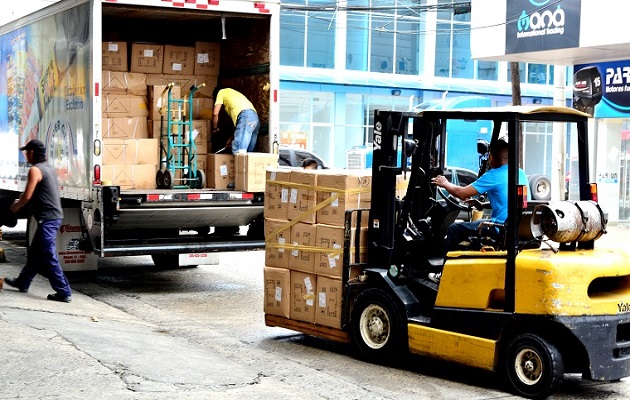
[
  {"x": 533, "y": 366},
  {"x": 377, "y": 327},
  {"x": 540, "y": 187}
]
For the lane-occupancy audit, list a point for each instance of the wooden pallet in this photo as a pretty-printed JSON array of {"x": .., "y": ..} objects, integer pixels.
[{"x": 325, "y": 332}]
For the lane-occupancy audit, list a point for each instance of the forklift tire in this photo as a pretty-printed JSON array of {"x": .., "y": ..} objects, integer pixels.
[
  {"x": 533, "y": 367},
  {"x": 377, "y": 326}
]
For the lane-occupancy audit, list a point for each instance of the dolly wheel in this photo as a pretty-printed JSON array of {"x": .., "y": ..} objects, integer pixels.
[
  {"x": 168, "y": 179},
  {"x": 534, "y": 366},
  {"x": 376, "y": 325},
  {"x": 159, "y": 179},
  {"x": 201, "y": 179}
]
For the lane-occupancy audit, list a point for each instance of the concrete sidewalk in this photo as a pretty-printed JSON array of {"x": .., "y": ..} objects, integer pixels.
[{"x": 88, "y": 349}]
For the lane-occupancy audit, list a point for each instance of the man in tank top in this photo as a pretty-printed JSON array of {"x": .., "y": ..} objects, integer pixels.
[{"x": 42, "y": 193}]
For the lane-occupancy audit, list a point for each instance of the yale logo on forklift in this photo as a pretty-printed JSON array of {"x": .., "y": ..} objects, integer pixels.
[
  {"x": 624, "y": 308},
  {"x": 378, "y": 127}
]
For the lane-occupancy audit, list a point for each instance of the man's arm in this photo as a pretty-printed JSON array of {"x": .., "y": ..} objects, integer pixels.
[
  {"x": 215, "y": 117},
  {"x": 457, "y": 191},
  {"x": 34, "y": 177}
]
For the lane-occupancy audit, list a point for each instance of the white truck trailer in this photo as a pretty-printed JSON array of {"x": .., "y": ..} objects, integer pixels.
[{"x": 51, "y": 88}]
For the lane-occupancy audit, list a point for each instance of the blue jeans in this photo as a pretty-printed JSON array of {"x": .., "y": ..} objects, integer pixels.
[
  {"x": 246, "y": 131},
  {"x": 42, "y": 257},
  {"x": 460, "y": 232}
]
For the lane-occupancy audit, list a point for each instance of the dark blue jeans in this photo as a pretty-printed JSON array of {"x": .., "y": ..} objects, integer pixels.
[
  {"x": 42, "y": 258},
  {"x": 246, "y": 131},
  {"x": 459, "y": 232}
]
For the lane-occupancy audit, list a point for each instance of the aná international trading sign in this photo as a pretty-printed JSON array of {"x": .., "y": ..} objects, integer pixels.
[{"x": 538, "y": 25}]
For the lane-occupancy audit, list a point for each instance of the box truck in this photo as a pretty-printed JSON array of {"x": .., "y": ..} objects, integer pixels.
[{"x": 67, "y": 70}]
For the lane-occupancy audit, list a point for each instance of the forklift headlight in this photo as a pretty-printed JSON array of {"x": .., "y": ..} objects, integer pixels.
[{"x": 394, "y": 271}]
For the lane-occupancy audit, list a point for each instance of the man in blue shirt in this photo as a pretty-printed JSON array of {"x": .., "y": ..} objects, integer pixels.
[{"x": 494, "y": 183}]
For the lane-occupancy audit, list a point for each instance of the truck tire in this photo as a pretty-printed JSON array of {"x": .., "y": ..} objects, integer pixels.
[
  {"x": 540, "y": 187},
  {"x": 377, "y": 326},
  {"x": 533, "y": 366}
]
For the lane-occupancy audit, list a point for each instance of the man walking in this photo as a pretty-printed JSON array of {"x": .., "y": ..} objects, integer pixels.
[{"x": 42, "y": 191}]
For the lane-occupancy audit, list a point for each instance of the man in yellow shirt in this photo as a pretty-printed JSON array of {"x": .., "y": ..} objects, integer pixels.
[{"x": 242, "y": 113}]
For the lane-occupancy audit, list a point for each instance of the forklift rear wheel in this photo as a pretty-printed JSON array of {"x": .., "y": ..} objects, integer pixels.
[
  {"x": 534, "y": 366},
  {"x": 377, "y": 328}
]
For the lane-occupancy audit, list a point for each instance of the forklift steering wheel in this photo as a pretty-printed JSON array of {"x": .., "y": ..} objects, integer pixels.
[{"x": 452, "y": 200}]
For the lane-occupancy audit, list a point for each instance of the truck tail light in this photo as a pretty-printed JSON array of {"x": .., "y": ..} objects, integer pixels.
[
  {"x": 522, "y": 196},
  {"x": 97, "y": 175},
  {"x": 593, "y": 191}
]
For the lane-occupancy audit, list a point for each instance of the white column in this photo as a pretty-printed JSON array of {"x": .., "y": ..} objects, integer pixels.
[{"x": 558, "y": 142}]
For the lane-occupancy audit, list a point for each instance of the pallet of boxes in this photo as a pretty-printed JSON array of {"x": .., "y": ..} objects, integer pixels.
[
  {"x": 304, "y": 275},
  {"x": 132, "y": 122}
]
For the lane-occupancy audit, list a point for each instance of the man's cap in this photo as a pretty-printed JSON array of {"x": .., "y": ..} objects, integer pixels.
[{"x": 35, "y": 145}]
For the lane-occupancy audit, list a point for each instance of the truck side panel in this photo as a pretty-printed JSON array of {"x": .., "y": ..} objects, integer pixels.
[{"x": 44, "y": 93}]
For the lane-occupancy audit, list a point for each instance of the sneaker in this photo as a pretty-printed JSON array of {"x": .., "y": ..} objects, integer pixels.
[
  {"x": 435, "y": 277},
  {"x": 13, "y": 283},
  {"x": 58, "y": 297}
]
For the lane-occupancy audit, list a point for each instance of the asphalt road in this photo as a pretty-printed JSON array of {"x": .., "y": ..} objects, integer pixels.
[{"x": 135, "y": 331}]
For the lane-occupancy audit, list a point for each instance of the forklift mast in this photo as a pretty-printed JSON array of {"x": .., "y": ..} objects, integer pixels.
[{"x": 388, "y": 128}]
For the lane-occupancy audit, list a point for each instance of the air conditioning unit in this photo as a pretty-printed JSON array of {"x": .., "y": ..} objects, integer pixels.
[{"x": 359, "y": 157}]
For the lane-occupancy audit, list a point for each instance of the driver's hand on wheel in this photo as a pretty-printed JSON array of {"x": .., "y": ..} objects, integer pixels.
[{"x": 440, "y": 180}]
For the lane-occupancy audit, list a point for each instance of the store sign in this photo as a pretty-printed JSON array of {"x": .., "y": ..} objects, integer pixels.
[
  {"x": 538, "y": 25},
  {"x": 293, "y": 139},
  {"x": 615, "y": 76}
]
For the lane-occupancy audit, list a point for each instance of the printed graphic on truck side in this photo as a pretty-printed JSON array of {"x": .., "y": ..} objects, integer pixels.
[{"x": 44, "y": 94}]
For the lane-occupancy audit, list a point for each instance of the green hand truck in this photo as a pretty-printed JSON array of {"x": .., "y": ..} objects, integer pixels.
[{"x": 178, "y": 152}]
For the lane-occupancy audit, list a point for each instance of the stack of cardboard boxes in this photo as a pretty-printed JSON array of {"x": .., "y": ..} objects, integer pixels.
[
  {"x": 304, "y": 233},
  {"x": 131, "y": 91}
]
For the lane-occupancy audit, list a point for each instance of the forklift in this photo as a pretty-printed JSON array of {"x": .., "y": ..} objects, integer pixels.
[{"x": 531, "y": 302}]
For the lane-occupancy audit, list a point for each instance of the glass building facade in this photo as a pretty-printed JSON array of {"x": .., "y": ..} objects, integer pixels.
[{"x": 341, "y": 60}]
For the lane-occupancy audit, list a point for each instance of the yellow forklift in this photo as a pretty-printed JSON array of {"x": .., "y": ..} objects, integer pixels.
[{"x": 531, "y": 302}]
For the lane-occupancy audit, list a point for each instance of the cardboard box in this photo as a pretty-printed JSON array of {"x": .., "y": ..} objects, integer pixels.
[
  {"x": 158, "y": 99},
  {"x": 123, "y": 105},
  {"x": 251, "y": 170},
  {"x": 303, "y": 287},
  {"x": 207, "y": 58},
  {"x": 140, "y": 176},
  {"x": 331, "y": 237},
  {"x": 116, "y": 82},
  {"x": 402, "y": 182},
  {"x": 125, "y": 128},
  {"x": 350, "y": 190},
  {"x": 277, "y": 283},
  {"x": 329, "y": 300},
  {"x": 202, "y": 163},
  {"x": 303, "y": 235},
  {"x": 203, "y": 108},
  {"x": 200, "y": 135},
  {"x": 185, "y": 82},
  {"x": 302, "y": 198},
  {"x": 277, "y": 194},
  {"x": 178, "y": 60},
  {"x": 147, "y": 58},
  {"x": 220, "y": 171},
  {"x": 115, "y": 56},
  {"x": 277, "y": 256},
  {"x": 130, "y": 151}
]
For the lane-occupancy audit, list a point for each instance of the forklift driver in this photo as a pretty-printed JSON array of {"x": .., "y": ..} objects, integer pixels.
[{"x": 494, "y": 182}]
